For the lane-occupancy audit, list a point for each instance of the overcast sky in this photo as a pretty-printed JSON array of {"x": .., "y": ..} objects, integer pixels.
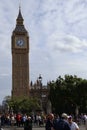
[{"x": 58, "y": 39}]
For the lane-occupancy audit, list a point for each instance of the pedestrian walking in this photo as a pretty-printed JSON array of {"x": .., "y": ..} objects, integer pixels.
[
  {"x": 49, "y": 122},
  {"x": 62, "y": 123},
  {"x": 85, "y": 121},
  {"x": 73, "y": 125},
  {"x": 28, "y": 124}
]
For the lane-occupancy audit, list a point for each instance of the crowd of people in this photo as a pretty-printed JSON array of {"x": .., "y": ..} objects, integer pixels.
[
  {"x": 64, "y": 122},
  {"x": 50, "y": 121},
  {"x": 22, "y": 120}
]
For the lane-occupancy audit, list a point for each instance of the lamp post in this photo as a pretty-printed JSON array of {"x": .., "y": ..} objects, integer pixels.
[{"x": 40, "y": 83}]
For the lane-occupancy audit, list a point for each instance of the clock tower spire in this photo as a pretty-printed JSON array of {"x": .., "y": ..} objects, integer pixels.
[
  {"x": 19, "y": 23},
  {"x": 20, "y": 18},
  {"x": 20, "y": 59}
]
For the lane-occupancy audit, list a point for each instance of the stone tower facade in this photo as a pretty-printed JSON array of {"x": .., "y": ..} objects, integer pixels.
[
  {"x": 20, "y": 59},
  {"x": 20, "y": 68}
]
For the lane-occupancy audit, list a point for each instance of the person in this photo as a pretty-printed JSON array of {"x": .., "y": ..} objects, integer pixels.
[
  {"x": 13, "y": 120},
  {"x": 85, "y": 121},
  {"x": 62, "y": 123},
  {"x": 49, "y": 122},
  {"x": 28, "y": 124},
  {"x": 18, "y": 119},
  {"x": 73, "y": 125}
]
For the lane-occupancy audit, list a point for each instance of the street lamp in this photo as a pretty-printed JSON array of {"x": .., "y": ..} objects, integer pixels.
[
  {"x": 40, "y": 83},
  {"x": 40, "y": 80}
]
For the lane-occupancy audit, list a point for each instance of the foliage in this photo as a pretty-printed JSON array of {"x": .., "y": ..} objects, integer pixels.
[
  {"x": 68, "y": 93},
  {"x": 23, "y": 105}
]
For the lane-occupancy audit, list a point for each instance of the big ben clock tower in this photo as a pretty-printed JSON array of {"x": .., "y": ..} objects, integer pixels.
[{"x": 20, "y": 59}]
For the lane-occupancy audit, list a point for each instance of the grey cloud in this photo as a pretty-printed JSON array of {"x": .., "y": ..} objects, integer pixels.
[
  {"x": 55, "y": 27},
  {"x": 67, "y": 43}
]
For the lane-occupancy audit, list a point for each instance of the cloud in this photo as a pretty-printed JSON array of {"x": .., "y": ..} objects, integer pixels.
[
  {"x": 58, "y": 38},
  {"x": 66, "y": 43},
  {"x": 3, "y": 75}
]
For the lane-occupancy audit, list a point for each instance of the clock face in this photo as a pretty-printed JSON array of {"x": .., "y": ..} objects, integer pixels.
[{"x": 20, "y": 42}]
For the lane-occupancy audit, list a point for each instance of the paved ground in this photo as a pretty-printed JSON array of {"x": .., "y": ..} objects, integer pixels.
[
  {"x": 42, "y": 128},
  {"x": 82, "y": 127},
  {"x": 35, "y": 128}
]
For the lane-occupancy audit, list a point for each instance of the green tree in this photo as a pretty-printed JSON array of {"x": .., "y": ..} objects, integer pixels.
[
  {"x": 24, "y": 105},
  {"x": 68, "y": 94}
]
